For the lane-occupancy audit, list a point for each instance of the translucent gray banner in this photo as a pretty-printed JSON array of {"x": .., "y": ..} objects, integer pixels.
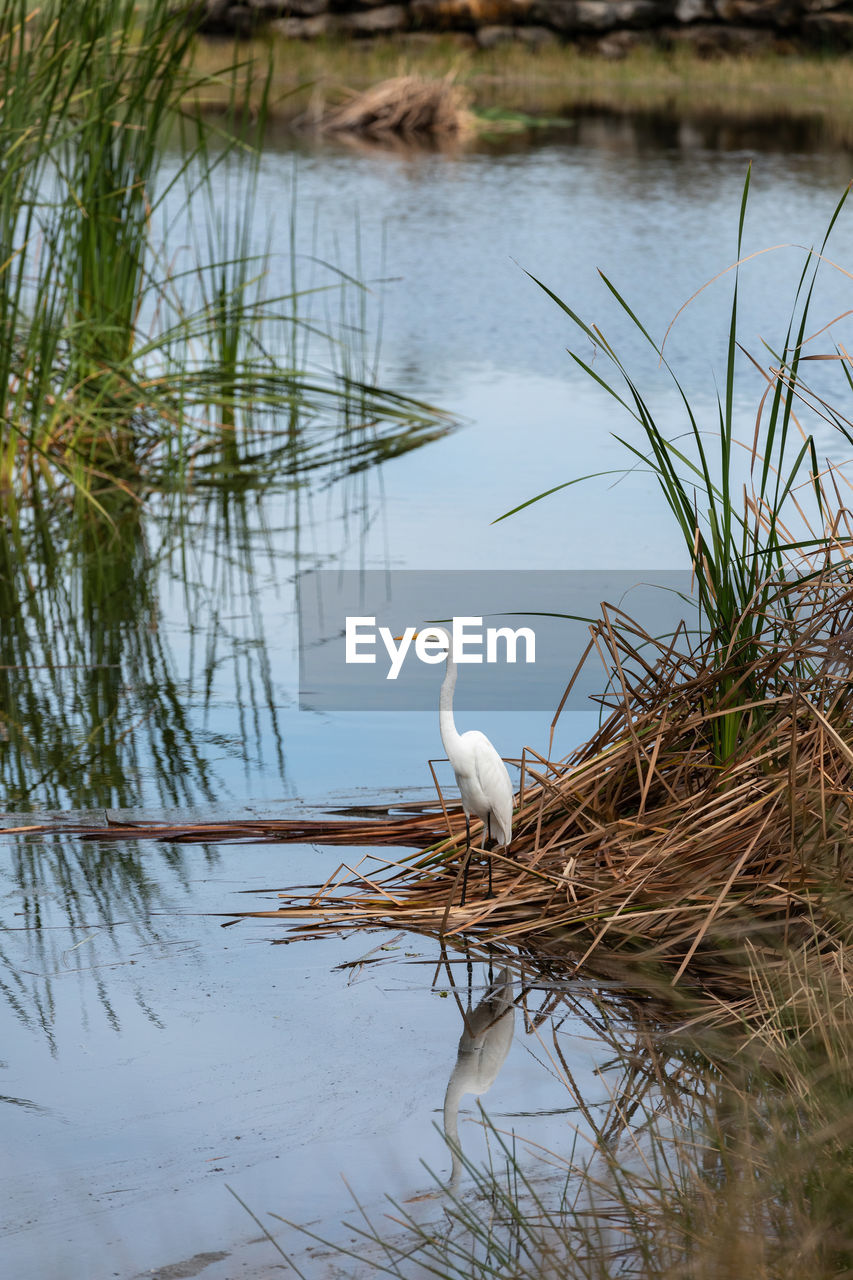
[{"x": 361, "y": 614}]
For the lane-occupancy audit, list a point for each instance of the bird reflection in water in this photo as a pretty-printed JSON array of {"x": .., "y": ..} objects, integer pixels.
[{"x": 483, "y": 1047}]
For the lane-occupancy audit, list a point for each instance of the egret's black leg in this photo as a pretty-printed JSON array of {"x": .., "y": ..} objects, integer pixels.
[
  {"x": 489, "y": 857},
  {"x": 467, "y": 858}
]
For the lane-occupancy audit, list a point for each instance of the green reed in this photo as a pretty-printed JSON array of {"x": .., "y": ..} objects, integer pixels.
[
  {"x": 747, "y": 564},
  {"x": 116, "y": 363}
]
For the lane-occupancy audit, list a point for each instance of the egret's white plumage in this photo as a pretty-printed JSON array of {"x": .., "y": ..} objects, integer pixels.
[{"x": 481, "y": 775}]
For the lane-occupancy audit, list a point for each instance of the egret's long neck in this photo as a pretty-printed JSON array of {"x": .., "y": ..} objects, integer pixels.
[{"x": 449, "y": 736}]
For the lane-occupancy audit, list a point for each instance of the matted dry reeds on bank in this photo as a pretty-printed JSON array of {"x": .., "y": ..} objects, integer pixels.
[{"x": 642, "y": 839}]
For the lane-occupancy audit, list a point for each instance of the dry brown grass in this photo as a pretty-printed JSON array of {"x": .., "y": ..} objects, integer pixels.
[{"x": 405, "y": 106}]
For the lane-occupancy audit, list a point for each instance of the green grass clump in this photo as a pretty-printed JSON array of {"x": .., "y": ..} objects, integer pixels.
[
  {"x": 751, "y": 572},
  {"x": 116, "y": 368}
]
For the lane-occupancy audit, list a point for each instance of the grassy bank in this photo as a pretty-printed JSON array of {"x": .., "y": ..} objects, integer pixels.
[{"x": 555, "y": 81}]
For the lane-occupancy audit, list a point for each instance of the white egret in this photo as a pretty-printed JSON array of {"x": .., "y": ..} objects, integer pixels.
[{"x": 481, "y": 775}]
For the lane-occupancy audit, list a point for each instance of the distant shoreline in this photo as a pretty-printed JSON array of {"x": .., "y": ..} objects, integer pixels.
[{"x": 549, "y": 82}]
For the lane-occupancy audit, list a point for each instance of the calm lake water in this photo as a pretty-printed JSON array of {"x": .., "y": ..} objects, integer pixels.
[{"x": 151, "y": 1057}]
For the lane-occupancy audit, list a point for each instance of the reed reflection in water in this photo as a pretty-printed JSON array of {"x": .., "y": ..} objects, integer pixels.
[
  {"x": 690, "y": 1137},
  {"x": 136, "y": 656}
]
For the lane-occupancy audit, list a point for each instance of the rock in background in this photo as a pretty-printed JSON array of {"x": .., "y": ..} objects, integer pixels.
[{"x": 612, "y": 27}]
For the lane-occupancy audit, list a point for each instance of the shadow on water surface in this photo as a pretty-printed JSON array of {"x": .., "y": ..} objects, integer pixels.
[
  {"x": 574, "y": 125},
  {"x": 712, "y": 131},
  {"x": 90, "y": 699}
]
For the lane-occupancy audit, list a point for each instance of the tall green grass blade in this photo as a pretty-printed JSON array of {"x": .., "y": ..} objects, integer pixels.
[
  {"x": 743, "y": 556},
  {"x": 109, "y": 372}
]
